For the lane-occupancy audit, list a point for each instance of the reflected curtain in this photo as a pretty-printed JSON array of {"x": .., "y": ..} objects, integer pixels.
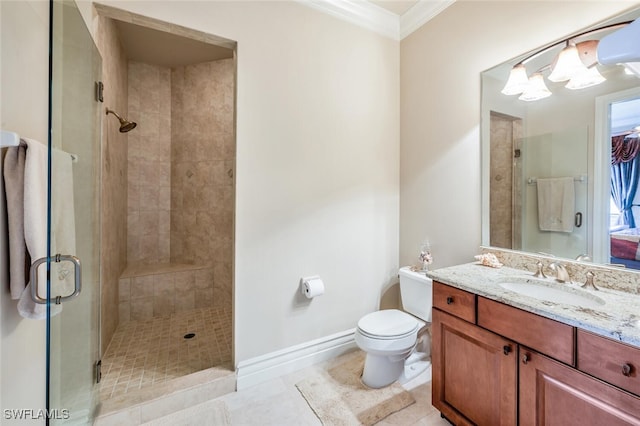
[{"x": 624, "y": 176}]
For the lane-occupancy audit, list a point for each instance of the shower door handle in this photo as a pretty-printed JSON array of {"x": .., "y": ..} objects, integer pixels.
[{"x": 77, "y": 270}]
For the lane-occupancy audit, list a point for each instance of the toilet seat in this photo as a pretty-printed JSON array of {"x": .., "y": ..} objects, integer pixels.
[{"x": 389, "y": 324}]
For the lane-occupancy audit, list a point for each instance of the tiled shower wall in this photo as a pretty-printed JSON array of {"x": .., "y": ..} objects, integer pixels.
[
  {"x": 114, "y": 176},
  {"x": 149, "y": 163},
  {"x": 181, "y": 161},
  {"x": 505, "y": 195},
  {"x": 202, "y": 169}
]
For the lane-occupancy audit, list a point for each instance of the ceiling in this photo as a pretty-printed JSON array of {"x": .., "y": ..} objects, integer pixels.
[{"x": 144, "y": 44}]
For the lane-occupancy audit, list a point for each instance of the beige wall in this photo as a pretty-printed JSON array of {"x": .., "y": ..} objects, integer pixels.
[
  {"x": 440, "y": 111},
  {"x": 24, "y": 106},
  {"x": 114, "y": 176}
]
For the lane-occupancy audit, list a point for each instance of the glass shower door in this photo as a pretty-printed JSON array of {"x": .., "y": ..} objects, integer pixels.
[
  {"x": 73, "y": 219},
  {"x": 562, "y": 153}
]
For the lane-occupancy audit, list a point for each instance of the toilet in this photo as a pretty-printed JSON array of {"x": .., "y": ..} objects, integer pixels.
[{"x": 391, "y": 337}]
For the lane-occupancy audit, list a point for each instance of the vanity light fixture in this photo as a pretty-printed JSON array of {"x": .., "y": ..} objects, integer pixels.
[
  {"x": 536, "y": 89},
  {"x": 585, "y": 78},
  {"x": 576, "y": 63},
  {"x": 568, "y": 64},
  {"x": 517, "y": 82}
]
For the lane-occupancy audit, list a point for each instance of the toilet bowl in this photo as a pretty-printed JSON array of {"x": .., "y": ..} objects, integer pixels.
[{"x": 390, "y": 337}]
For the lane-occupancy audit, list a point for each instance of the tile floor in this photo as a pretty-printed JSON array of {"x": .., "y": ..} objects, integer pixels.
[
  {"x": 150, "y": 352},
  {"x": 279, "y": 403}
]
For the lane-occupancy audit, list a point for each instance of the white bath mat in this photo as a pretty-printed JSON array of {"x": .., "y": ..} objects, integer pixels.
[{"x": 338, "y": 397}]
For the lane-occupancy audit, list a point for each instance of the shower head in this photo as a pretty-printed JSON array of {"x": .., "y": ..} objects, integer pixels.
[{"x": 125, "y": 125}]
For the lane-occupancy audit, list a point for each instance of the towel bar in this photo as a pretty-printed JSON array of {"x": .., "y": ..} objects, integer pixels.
[
  {"x": 534, "y": 180},
  {"x": 9, "y": 139}
]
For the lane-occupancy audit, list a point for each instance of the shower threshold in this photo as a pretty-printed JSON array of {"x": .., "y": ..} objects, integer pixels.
[{"x": 154, "y": 402}]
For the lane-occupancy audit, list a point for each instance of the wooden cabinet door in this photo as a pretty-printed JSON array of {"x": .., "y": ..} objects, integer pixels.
[
  {"x": 474, "y": 373},
  {"x": 553, "y": 394}
]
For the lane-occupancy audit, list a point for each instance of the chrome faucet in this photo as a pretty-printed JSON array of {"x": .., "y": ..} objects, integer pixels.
[{"x": 561, "y": 272}]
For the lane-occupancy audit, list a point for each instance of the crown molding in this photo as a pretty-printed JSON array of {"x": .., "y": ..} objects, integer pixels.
[
  {"x": 361, "y": 13},
  {"x": 377, "y": 19},
  {"x": 419, "y": 14}
]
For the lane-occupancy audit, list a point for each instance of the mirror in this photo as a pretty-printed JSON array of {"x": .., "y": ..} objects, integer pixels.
[{"x": 546, "y": 163}]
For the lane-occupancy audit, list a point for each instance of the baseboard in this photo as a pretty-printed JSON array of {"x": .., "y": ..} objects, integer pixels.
[{"x": 275, "y": 364}]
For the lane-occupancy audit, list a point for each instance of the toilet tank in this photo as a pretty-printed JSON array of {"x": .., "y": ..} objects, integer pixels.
[{"x": 416, "y": 293}]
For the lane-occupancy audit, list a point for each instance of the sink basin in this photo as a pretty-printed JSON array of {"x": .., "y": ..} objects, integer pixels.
[{"x": 551, "y": 292}]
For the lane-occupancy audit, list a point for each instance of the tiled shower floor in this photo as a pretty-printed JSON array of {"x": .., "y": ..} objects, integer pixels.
[{"x": 149, "y": 352}]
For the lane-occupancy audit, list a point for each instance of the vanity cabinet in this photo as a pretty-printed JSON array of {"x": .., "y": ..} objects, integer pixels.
[
  {"x": 494, "y": 364},
  {"x": 552, "y": 393}
]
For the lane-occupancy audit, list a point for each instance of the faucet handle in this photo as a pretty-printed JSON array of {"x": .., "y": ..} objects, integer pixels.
[
  {"x": 589, "y": 281},
  {"x": 539, "y": 273},
  {"x": 562, "y": 275}
]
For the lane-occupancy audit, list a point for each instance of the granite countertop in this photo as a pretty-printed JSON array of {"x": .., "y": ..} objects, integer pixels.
[{"x": 618, "y": 318}]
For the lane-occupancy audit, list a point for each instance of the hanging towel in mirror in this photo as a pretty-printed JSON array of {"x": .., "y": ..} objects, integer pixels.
[{"x": 556, "y": 204}]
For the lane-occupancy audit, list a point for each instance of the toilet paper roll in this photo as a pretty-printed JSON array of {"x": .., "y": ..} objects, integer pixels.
[{"x": 312, "y": 287}]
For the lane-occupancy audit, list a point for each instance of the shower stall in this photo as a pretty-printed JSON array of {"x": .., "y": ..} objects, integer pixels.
[
  {"x": 148, "y": 141},
  {"x": 167, "y": 307}
]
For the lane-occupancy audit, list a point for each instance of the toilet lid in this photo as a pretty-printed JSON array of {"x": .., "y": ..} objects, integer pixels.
[{"x": 386, "y": 324}]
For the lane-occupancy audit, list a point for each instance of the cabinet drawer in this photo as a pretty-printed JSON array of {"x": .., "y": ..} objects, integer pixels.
[
  {"x": 611, "y": 361},
  {"x": 454, "y": 301},
  {"x": 547, "y": 336}
]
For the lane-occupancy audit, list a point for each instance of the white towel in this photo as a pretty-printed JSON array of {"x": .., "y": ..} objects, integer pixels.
[
  {"x": 17, "y": 255},
  {"x": 556, "y": 204},
  {"x": 63, "y": 226},
  {"x": 35, "y": 224}
]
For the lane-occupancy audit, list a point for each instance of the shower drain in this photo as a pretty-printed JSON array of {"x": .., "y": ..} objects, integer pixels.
[{"x": 190, "y": 335}]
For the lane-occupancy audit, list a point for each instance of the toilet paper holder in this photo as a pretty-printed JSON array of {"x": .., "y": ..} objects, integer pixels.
[{"x": 312, "y": 286}]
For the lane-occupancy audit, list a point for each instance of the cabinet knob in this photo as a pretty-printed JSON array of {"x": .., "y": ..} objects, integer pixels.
[
  {"x": 525, "y": 358},
  {"x": 449, "y": 300},
  {"x": 627, "y": 369},
  {"x": 506, "y": 349}
]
